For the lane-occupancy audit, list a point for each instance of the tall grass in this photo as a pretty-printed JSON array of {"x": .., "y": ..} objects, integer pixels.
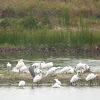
[
  {"x": 49, "y": 38},
  {"x": 32, "y": 22}
]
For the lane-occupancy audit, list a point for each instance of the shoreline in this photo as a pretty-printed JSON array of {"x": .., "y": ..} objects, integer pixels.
[
  {"x": 29, "y": 50},
  {"x": 49, "y": 85}
]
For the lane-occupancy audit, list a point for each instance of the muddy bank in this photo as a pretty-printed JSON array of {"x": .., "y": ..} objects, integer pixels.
[
  {"x": 54, "y": 50},
  {"x": 10, "y": 78}
]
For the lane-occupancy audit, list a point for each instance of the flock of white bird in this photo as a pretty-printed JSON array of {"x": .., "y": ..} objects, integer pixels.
[{"x": 49, "y": 69}]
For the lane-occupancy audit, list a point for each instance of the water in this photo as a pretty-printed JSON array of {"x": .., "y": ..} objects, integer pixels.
[
  {"x": 59, "y": 60},
  {"x": 49, "y": 93}
]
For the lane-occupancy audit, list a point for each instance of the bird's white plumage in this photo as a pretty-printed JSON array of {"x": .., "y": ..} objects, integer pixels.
[
  {"x": 37, "y": 70},
  {"x": 47, "y": 65},
  {"x": 9, "y": 66},
  {"x": 37, "y": 78},
  {"x": 15, "y": 70},
  {"x": 74, "y": 78},
  {"x": 51, "y": 71},
  {"x": 20, "y": 64},
  {"x": 82, "y": 67},
  {"x": 86, "y": 68},
  {"x": 70, "y": 71},
  {"x": 56, "y": 85},
  {"x": 91, "y": 77},
  {"x": 79, "y": 66},
  {"x": 21, "y": 83},
  {"x": 65, "y": 69},
  {"x": 39, "y": 64},
  {"x": 57, "y": 81},
  {"x": 23, "y": 69}
]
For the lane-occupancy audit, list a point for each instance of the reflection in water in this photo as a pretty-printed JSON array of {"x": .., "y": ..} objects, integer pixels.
[
  {"x": 58, "y": 60},
  {"x": 49, "y": 93}
]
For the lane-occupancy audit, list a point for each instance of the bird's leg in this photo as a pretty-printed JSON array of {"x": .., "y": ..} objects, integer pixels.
[
  {"x": 71, "y": 84},
  {"x": 8, "y": 72},
  {"x": 97, "y": 80},
  {"x": 75, "y": 83},
  {"x": 32, "y": 83},
  {"x": 37, "y": 84},
  {"x": 19, "y": 71},
  {"x": 90, "y": 82},
  {"x": 87, "y": 83}
]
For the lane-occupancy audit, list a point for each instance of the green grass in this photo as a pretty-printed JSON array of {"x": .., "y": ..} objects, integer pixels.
[
  {"x": 32, "y": 23},
  {"x": 37, "y": 38}
]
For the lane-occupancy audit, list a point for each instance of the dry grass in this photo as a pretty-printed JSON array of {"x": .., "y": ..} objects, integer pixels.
[{"x": 14, "y": 78}]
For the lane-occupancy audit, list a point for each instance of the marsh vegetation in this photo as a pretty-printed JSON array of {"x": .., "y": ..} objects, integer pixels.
[{"x": 45, "y": 24}]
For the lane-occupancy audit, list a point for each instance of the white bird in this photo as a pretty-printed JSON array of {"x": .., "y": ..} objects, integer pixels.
[
  {"x": 56, "y": 85},
  {"x": 20, "y": 64},
  {"x": 23, "y": 69},
  {"x": 81, "y": 66},
  {"x": 37, "y": 78},
  {"x": 65, "y": 69},
  {"x": 91, "y": 77},
  {"x": 51, "y": 71},
  {"x": 21, "y": 84},
  {"x": 57, "y": 81},
  {"x": 39, "y": 64},
  {"x": 70, "y": 71},
  {"x": 75, "y": 78},
  {"x": 86, "y": 69},
  {"x": 15, "y": 70},
  {"x": 47, "y": 65},
  {"x": 9, "y": 66},
  {"x": 37, "y": 70}
]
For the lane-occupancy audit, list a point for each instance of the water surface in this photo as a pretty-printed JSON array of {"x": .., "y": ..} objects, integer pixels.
[
  {"x": 59, "y": 60},
  {"x": 49, "y": 93}
]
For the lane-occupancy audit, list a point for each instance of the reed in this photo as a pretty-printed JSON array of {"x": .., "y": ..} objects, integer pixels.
[
  {"x": 31, "y": 23},
  {"x": 49, "y": 38}
]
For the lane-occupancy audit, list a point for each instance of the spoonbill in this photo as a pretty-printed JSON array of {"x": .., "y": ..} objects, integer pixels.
[
  {"x": 51, "y": 71},
  {"x": 75, "y": 78},
  {"x": 23, "y": 69},
  {"x": 57, "y": 81},
  {"x": 81, "y": 66},
  {"x": 57, "y": 84},
  {"x": 37, "y": 78},
  {"x": 39, "y": 64},
  {"x": 47, "y": 65},
  {"x": 20, "y": 64},
  {"x": 70, "y": 71},
  {"x": 65, "y": 69},
  {"x": 8, "y": 66},
  {"x": 21, "y": 84},
  {"x": 91, "y": 77}
]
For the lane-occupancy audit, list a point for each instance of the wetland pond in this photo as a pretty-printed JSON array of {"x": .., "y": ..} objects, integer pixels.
[
  {"x": 49, "y": 93},
  {"x": 58, "y": 60}
]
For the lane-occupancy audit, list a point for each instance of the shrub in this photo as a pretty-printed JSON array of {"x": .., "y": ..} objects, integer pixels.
[
  {"x": 5, "y": 23},
  {"x": 45, "y": 21},
  {"x": 29, "y": 22}
]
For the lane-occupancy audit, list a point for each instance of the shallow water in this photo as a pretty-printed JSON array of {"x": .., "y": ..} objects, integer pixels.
[
  {"x": 49, "y": 93},
  {"x": 58, "y": 60}
]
